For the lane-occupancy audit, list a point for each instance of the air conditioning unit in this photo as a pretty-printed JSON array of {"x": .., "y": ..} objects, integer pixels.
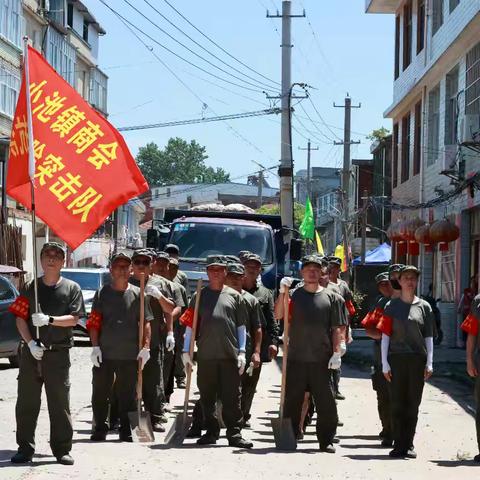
[{"x": 470, "y": 128}]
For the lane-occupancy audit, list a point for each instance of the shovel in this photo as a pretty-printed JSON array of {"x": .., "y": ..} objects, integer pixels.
[
  {"x": 178, "y": 431},
  {"x": 140, "y": 421},
  {"x": 282, "y": 427}
]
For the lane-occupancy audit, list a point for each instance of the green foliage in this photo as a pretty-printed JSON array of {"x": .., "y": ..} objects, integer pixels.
[
  {"x": 378, "y": 134},
  {"x": 178, "y": 162},
  {"x": 274, "y": 209}
]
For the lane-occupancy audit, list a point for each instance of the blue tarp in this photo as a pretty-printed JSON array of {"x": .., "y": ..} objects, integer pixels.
[{"x": 379, "y": 255}]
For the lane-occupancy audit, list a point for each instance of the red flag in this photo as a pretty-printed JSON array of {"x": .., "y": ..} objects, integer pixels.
[{"x": 83, "y": 168}]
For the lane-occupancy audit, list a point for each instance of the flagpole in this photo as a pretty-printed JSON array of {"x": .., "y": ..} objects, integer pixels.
[{"x": 31, "y": 173}]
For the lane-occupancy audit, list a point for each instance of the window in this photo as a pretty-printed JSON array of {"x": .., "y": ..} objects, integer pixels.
[
  {"x": 56, "y": 12},
  {"x": 451, "y": 113},
  {"x": 433, "y": 124},
  {"x": 417, "y": 139},
  {"x": 85, "y": 30},
  {"x": 11, "y": 21},
  {"x": 61, "y": 55},
  {"x": 98, "y": 90},
  {"x": 448, "y": 274},
  {"x": 453, "y": 5},
  {"x": 405, "y": 148},
  {"x": 395, "y": 155},
  {"x": 472, "y": 89},
  {"x": 9, "y": 88},
  {"x": 407, "y": 34},
  {"x": 420, "y": 25},
  {"x": 397, "y": 46},
  {"x": 437, "y": 15},
  {"x": 70, "y": 15}
]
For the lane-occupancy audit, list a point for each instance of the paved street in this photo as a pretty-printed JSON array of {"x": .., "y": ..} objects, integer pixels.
[{"x": 446, "y": 438}]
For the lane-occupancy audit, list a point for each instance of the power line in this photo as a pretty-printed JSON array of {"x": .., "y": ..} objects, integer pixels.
[
  {"x": 205, "y": 49},
  {"x": 174, "y": 53},
  {"x": 219, "y": 118},
  {"x": 321, "y": 118},
  {"x": 218, "y": 46},
  {"x": 330, "y": 140}
]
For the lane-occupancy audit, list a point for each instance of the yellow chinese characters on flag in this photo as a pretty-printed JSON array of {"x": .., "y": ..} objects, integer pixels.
[
  {"x": 83, "y": 168},
  {"x": 339, "y": 252}
]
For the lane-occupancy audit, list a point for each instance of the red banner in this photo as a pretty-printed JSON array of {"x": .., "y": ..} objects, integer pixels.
[{"x": 83, "y": 168}]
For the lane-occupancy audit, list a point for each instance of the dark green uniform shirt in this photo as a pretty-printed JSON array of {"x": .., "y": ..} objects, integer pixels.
[
  {"x": 219, "y": 316},
  {"x": 313, "y": 316},
  {"x": 182, "y": 279},
  {"x": 410, "y": 325},
  {"x": 255, "y": 320},
  {"x": 120, "y": 310},
  {"x": 64, "y": 298}
]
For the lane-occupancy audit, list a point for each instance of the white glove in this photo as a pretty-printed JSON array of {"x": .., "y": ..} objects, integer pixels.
[
  {"x": 153, "y": 291},
  {"x": 386, "y": 367},
  {"x": 186, "y": 359},
  {"x": 250, "y": 369},
  {"x": 36, "y": 350},
  {"x": 170, "y": 343},
  {"x": 144, "y": 356},
  {"x": 284, "y": 283},
  {"x": 40, "y": 319},
  {"x": 241, "y": 362},
  {"x": 335, "y": 361},
  {"x": 343, "y": 348},
  {"x": 96, "y": 356}
]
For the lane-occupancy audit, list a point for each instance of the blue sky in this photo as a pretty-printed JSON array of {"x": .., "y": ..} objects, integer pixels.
[{"x": 337, "y": 49}]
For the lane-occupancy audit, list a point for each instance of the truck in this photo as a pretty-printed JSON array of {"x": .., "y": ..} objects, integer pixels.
[{"x": 201, "y": 233}]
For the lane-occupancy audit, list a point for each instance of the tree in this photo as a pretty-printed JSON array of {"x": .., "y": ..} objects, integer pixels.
[
  {"x": 274, "y": 209},
  {"x": 178, "y": 162},
  {"x": 378, "y": 134}
]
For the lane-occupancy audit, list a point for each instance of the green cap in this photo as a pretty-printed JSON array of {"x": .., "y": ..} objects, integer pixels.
[
  {"x": 312, "y": 259},
  {"x": 252, "y": 257},
  {"x": 171, "y": 247},
  {"x": 232, "y": 259},
  {"x": 382, "y": 277},
  {"x": 236, "y": 268},
  {"x": 142, "y": 253},
  {"x": 216, "y": 260},
  {"x": 163, "y": 256},
  {"x": 334, "y": 260},
  {"x": 396, "y": 267},
  {"x": 53, "y": 246},
  {"x": 173, "y": 261},
  {"x": 120, "y": 256},
  {"x": 410, "y": 268},
  {"x": 243, "y": 254}
]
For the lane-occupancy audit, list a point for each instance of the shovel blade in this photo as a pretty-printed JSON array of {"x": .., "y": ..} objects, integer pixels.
[
  {"x": 283, "y": 434},
  {"x": 177, "y": 433},
  {"x": 141, "y": 426}
]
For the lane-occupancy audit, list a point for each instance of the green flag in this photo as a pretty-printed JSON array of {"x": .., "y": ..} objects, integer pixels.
[{"x": 307, "y": 228}]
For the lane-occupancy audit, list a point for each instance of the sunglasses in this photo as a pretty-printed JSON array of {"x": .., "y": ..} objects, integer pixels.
[{"x": 139, "y": 262}]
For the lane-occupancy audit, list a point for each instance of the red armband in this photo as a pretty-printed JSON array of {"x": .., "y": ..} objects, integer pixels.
[
  {"x": 470, "y": 325},
  {"x": 20, "y": 307},
  {"x": 350, "y": 308},
  {"x": 367, "y": 319},
  {"x": 385, "y": 324},
  {"x": 94, "y": 321},
  {"x": 187, "y": 317}
]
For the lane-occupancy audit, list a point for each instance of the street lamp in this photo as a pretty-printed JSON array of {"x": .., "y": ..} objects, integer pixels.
[{"x": 4, "y": 144}]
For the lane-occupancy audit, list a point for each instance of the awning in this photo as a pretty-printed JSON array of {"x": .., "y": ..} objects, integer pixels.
[{"x": 379, "y": 255}]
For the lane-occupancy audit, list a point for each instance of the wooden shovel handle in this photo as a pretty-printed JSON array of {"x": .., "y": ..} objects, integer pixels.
[
  {"x": 192, "y": 346},
  {"x": 140, "y": 335},
  {"x": 286, "y": 327}
]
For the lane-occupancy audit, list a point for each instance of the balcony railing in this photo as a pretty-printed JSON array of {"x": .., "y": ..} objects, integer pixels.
[{"x": 98, "y": 90}]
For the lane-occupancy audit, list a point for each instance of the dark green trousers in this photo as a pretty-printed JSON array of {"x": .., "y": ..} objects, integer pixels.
[
  {"x": 382, "y": 388},
  {"x": 54, "y": 374},
  {"x": 249, "y": 387}
]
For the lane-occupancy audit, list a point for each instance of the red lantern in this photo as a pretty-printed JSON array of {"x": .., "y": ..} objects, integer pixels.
[
  {"x": 422, "y": 235},
  {"x": 413, "y": 248},
  {"x": 410, "y": 227},
  {"x": 443, "y": 246},
  {"x": 444, "y": 231},
  {"x": 401, "y": 248},
  {"x": 394, "y": 232},
  {"x": 428, "y": 248}
]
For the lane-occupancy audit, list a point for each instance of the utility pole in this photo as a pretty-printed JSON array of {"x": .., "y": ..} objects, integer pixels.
[
  {"x": 4, "y": 144},
  {"x": 346, "y": 172},
  {"x": 364, "y": 225},
  {"x": 286, "y": 161},
  {"x": 260, "y": 189},
  {"x": 309, "y": 179}
]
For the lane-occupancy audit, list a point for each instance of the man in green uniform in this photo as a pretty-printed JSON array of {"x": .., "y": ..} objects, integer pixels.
[
  {"x": 162, "y": 305},
  {"x": 314, "y": 348},
  {"x": 113, "y": 329},
  {"x": 174, "y": 252},
  {"x": 255, "y": 323},
  {"x": 379, "y": 383},
  {"x": 221, "y": 344},
  {"x": 45, "y": 359}
]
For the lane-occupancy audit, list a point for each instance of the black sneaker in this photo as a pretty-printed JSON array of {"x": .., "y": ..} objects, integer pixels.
[
  {"x": 411, "y": 453},
  {"x": 66, "y": 459},
  {"x": 397, "y": 453},
  {"x": 98, "y": 436},
  {"x": 327, "y": 448},
  {"x": 382, "y": 434},
  {"x": 386, "y": 442},
  {"x": 207, "y": 439},
  {"x": 339, "y": 396},
  {"x": 161, "y": 419},
  {"x": 124, "y": 437},
  {"x": 246, "y": 424},
  {"x": 21, "y": 458},
  {"x": 476, "y": 458},
  {"x": 300, "y": 435},
  {"x": 181, "y": 384},
  {"x": 240, "y": 443},
  {"x": 158, "y": 427},
  {"x": 194, "y": 432},
  {"x": 339, "y": 424},
  {"x": 336, "y": 440}
]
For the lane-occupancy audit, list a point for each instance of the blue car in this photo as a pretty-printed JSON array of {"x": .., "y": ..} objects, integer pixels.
[{"x": 9, "y": 336}]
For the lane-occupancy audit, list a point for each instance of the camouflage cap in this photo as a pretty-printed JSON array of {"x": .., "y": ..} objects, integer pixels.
[
  {"x": 143, "y": 252},
  {"x": 242, "y": 254},
  {"x": 162, "y": 256},
  {"x": 308, "y": 259},
  {"x": 171, "y": 247},
  {"x": 334, "y": 260},
  {"x": 382, "y": 277},
  {"x": 53, "y": 246},
  {"x": 174, "y": 261},
  {"x": 236, "y": 268},
  {"x": 232, "y": 259},
  {"x": 253, "y": 257},
  {"x": 396, "y": 267},
  {"x": 410, "y": 268},
  {"x": 216, "y": 260},
  {"x": 120, "y": 256}
]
